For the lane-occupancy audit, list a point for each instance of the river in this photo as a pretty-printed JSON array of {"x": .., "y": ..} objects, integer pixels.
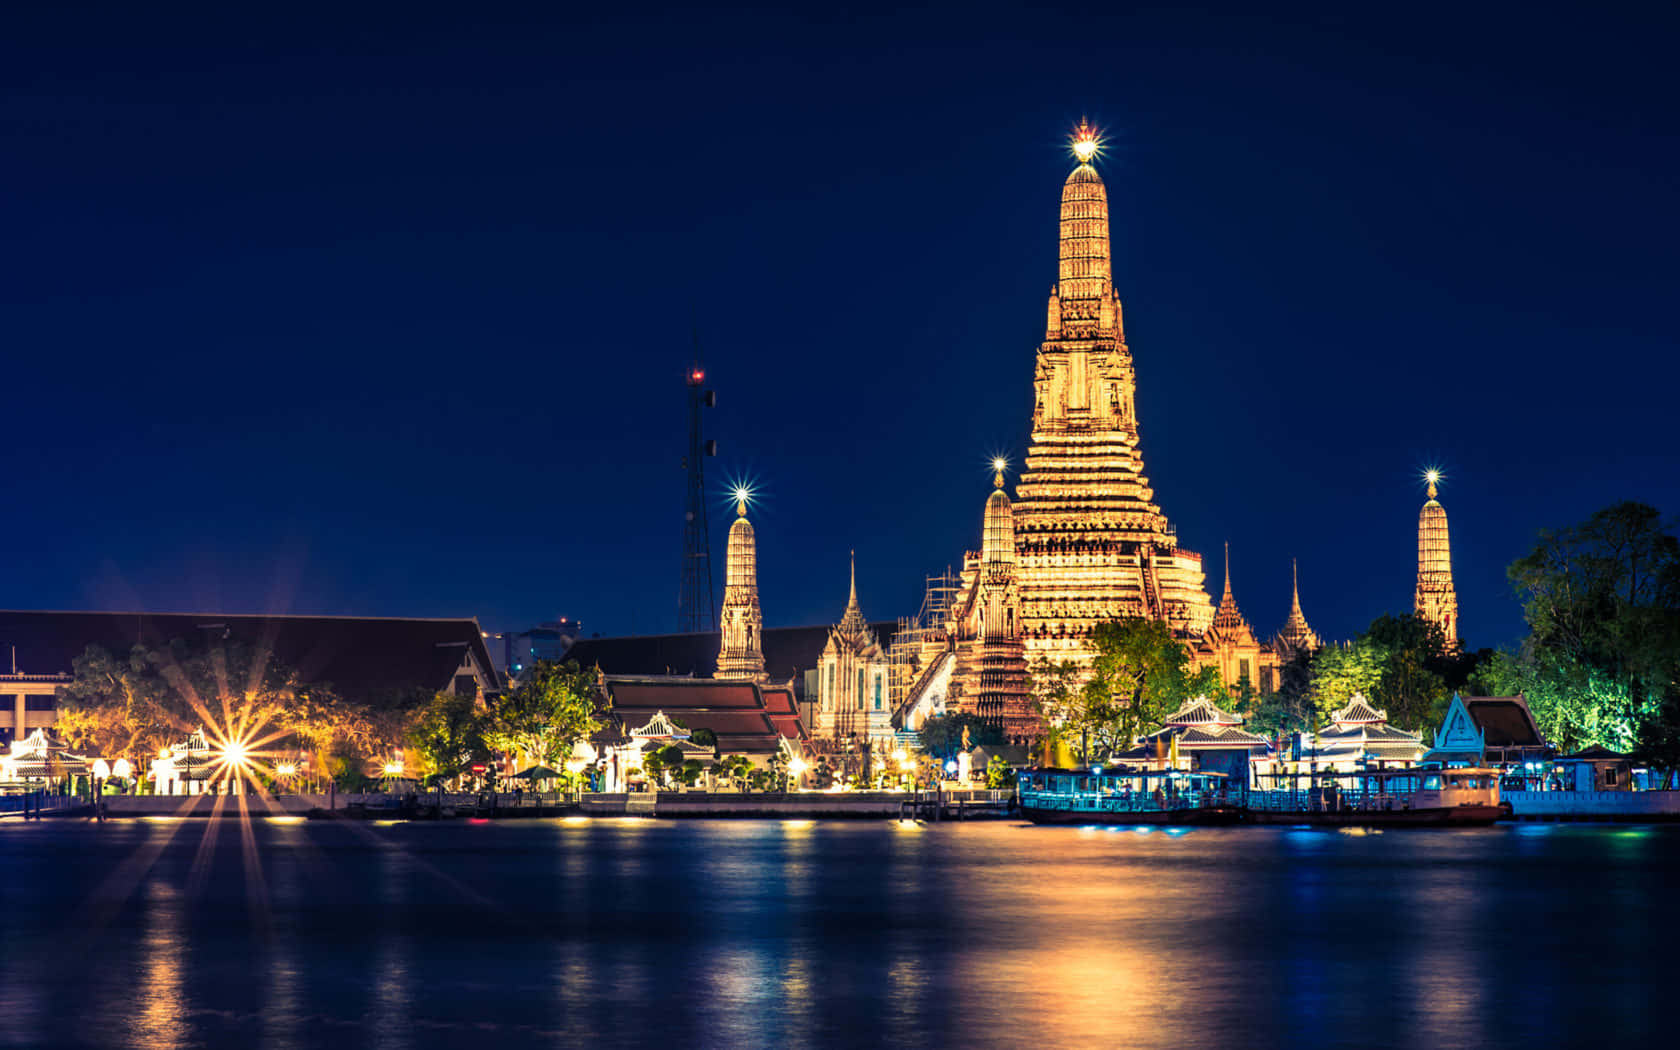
[{"x": 606, "y": 933}]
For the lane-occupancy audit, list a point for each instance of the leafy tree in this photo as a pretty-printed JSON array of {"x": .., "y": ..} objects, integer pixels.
[
  {"x": 942, "y": 734},
  {"x": 1341, "y": 671},
  {"x": 1141, "y": 674},
  {"x": 691, "y": 771},
  {"x": 705, "y": 737},
  {"x": 549, "y": 711},
  {"x": 447, "y": 735},
  {"x": 999, "y": 774},
  {"x": 1058, "y": 692},
  {"x": 1602, "y": 659}
]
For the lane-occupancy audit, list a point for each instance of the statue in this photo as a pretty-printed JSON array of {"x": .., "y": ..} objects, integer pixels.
[{"x": 965, "y": 744}]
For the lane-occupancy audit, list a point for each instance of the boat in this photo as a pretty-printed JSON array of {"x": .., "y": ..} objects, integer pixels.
[
  {"x": 1415, "y": 797},
  {"x": 1128, "y": 796}
]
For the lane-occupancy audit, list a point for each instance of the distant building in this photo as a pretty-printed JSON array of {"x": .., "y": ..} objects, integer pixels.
[
  {"x": 365, "y": 660},
  {"x": 1359, "y": 737},
  {"x": 1297, "y": 636},
  {"x": 1229, "y": 645},
  {"x": 740, "y": 653},
  {"x": 515, "y": 651}
]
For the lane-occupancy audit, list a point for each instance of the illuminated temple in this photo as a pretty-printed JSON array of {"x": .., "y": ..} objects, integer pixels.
[
  {"x": 1092, "y": 545},
  {"x": 1436, "y": 600}
]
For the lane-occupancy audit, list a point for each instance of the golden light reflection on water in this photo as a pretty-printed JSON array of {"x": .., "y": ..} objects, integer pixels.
[{"x": 158, "y": 1020}]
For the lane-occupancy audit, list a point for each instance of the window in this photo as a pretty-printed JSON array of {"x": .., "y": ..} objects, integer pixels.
[
  {"x": 860, "y": 690},
  {"x": 1610, "y": 777},
  {"x": 877, "y": 692},
  {"x": 40, "y": 703},
  {"x": 828, "y": 691},
  {"x": 1242, "y": 674}
]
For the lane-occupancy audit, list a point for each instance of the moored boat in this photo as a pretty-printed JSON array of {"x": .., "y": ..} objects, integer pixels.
[
  {"x": 1124, "y": 796},
  {"x": 1410, "y": 797}
]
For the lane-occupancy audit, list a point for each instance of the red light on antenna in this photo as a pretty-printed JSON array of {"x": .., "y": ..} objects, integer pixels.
[{"x": 699, "y": 375}]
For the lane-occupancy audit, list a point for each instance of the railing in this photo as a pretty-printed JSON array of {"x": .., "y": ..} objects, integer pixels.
[
  {"x": 1321, "y": 801},
  {"x": 1092, "y": 802}
]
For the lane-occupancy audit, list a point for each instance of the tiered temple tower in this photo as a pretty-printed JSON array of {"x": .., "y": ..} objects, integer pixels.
[
  {"x": 743, "y": 623},
  {"x": 990, "y": 677},
  {"x": 1297, "y": 636},
  {"x": 1092, "y": 545},
  {"x": 1436, "y": 600},
  {"x": 1230, "y": 645}
]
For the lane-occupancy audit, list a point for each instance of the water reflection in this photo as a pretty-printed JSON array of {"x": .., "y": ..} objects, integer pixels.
[
  {"x": 789, "y": 933},
  {"x": 164, "y": 952}
]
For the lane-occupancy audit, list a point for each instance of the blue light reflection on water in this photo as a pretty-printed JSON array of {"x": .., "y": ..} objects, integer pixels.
[{"x": 788, "y": 933}]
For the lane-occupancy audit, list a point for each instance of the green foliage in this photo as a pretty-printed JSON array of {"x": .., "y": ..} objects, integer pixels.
[
  {"x": 1602, "y": 659},
  {"x": 999, "y": 774},
  {"x": 942, "y": 734},
  {"x": 447, "y": 735},
  {"x": 552, "y": 708},
  {"x": 732, "y": 769},
  {"x": 1341, "y": 671},
  {"x": 1140, "y": 676},
  {"x": 705, "y": 737}
]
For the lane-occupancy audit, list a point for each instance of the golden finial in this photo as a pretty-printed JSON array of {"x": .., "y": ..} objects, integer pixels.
[
  {"x": 998, "y": 464},
  {"x": 743, "y": 496},
  {"x": 1432, "y": 476},
  {"x": 1085, "y": 142}
]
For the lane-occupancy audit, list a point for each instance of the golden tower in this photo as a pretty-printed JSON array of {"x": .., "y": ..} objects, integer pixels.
[
  {"x": 743, "y": 622},
  {"x": 1092, "y": 546},
  {"x": 990, "y": 677},
  {"x": 1436, "y": 600}
]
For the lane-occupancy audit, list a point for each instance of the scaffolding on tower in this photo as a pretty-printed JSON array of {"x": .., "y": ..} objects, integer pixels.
[
  {"x": 916, "y": 637},
  {"x": 696, "y": 605}
]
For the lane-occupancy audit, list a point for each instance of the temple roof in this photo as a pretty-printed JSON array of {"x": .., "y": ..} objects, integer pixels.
[
  {"x": 1505, "y": 721},
  {"x": 745, "y": 718},
  {"x": 1297, "y": 634},
  {"x": 1358, "y": 709},
  {"x": 1201, "y": 712}
]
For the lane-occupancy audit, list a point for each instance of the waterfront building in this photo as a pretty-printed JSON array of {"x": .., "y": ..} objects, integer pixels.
[
  {"x": 514, "y": 652},
  {"x": 989, "y": 677},
  {"x": 1489, "y": 730},
  {"x": 739, "y": 655},
  {"x": 40, "y": 758},
  {"x": 1359, "y": 737},
  {"x": 1243, "y": 661},
  {"x": 1435, "y": 599},
  {"x": 745, "y": 718},
  {"x": 1297, "y": 637},
  {"x": 851, "y": 697},
  {"x": 1202, "y": 737},
  {"x": 1093, "y": 546}
]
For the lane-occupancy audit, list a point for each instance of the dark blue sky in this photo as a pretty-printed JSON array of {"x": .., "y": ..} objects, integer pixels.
[{"x": 386, "y": 312}]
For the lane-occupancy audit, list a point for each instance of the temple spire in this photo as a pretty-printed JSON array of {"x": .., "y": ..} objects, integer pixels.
[
  {"x": 1436, "y": 600},
  {"x": 1228, "y": 597},
  {"x": 740, "y": 654}
]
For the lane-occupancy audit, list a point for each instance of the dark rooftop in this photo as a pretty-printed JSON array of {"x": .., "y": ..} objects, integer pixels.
[
  {"x": 788, "y": 652},
  {"x": 366, "y": 660}
]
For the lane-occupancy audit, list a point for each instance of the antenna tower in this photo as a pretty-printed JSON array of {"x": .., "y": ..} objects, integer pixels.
[{"x": 696, "y": 610}]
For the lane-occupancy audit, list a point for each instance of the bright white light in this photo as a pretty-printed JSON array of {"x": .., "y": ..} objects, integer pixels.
[
  {"x": 101, "y": 771},
  {"x": 286, "y": 769},
  {"x": 393, "y": 769},
  {"x": 1085, "y": 149}
]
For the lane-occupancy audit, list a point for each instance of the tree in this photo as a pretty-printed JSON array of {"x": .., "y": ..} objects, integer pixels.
[
  {"x": 1140, "y": 675},
  {"x": 1602, "y": 658},
  {"x": 448, "y": 736},
  {"x": 999, "y": 774},
  {"x": 1341, "y": 671},
  {"x": 942, "y": 734},
  {"x": 551, "y": 709}
]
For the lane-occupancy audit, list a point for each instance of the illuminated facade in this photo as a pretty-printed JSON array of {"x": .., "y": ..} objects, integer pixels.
[
  {"x": 743, "y": 622},
  {"x": 1297, "y": 636},
  {"x": 852, "y": 702},
  {"x": 1436, "y": 600},
  {"x": 1092, "y": 545},
  {"x": 1230, "y": 645},
  {"x": 990, "y": 674}
]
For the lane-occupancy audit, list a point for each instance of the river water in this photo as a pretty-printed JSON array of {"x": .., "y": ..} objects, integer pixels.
[{"x": 605, "y": 933}]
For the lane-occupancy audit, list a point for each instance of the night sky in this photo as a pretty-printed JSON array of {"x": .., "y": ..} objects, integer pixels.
[{"x": 387, "y": 312}]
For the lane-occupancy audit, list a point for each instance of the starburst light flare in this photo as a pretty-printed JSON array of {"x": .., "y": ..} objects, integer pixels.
[{"x": 1085, "y": 142}]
